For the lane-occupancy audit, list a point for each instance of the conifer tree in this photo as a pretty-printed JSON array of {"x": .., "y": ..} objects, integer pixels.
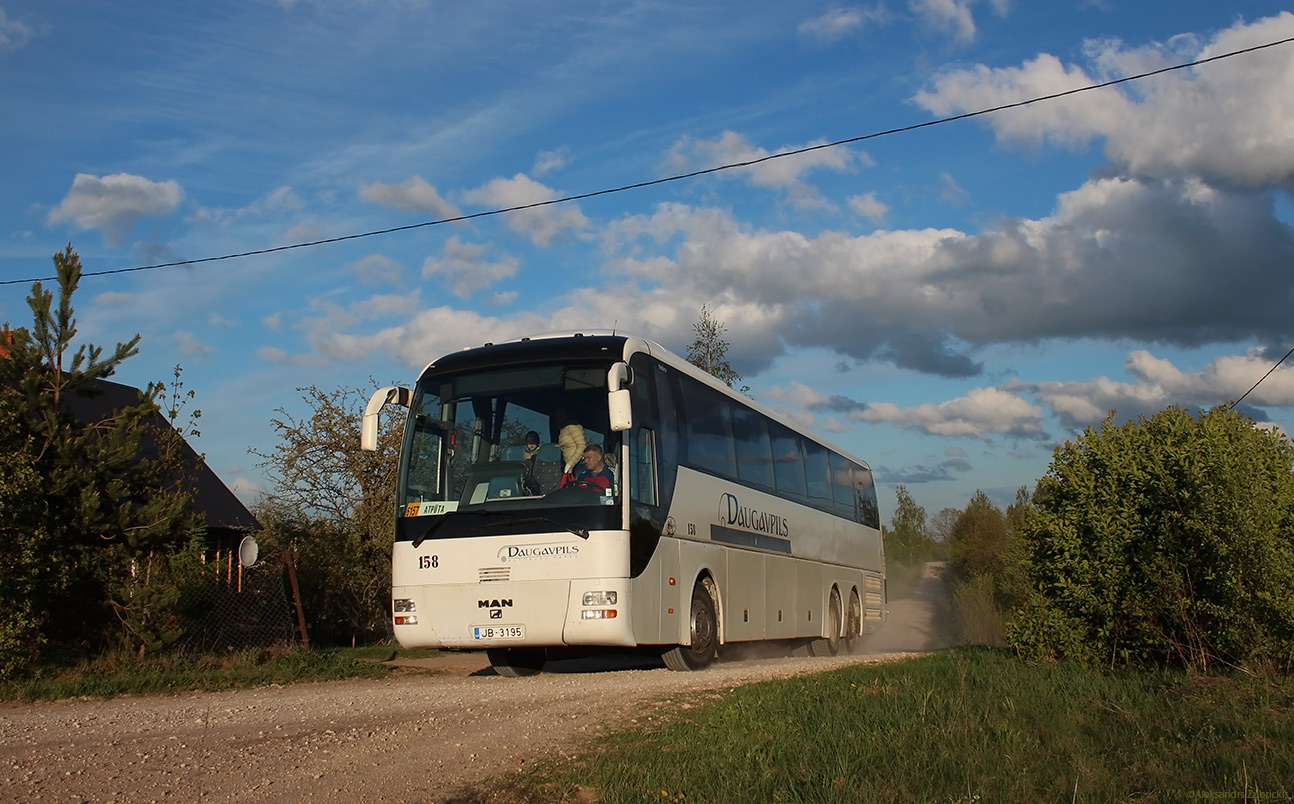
[
  {"x": 100, "y": 503},
  {"x": 709, "y": 351}
]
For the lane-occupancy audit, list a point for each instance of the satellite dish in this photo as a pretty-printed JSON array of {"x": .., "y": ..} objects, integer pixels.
[{"x": 248, "y": 550}]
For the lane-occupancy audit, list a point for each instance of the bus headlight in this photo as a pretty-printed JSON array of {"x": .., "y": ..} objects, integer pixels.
[
  {"x": 403, "y": 604},
  {"x": 599, "y": 614},
  {"x": 599, "y": 598},
  {"x": 406, "y": 619}
]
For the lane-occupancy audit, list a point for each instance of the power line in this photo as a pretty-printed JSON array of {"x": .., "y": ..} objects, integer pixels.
[
  {"x": 1233, "y": 405},
  {"x": 675, "y": 178}
]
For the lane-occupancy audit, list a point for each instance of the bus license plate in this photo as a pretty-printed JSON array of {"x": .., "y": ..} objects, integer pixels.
[{"x": 498, "y": 632}]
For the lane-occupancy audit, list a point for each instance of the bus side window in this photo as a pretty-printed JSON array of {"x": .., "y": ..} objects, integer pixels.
[
  {"x": 818, "y": 476},
  {"x": 842, "y": 487},
  {"x": 788, "y": 463},
  {"x": 869, "y": 512},
  {"x": 708, "y": 416},
  {"x": 643, "y": 478},
  {"x": 754, "y": 451}
]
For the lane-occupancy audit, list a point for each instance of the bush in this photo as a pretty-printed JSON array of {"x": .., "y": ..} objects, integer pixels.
[
  {"x": 975, "y": 617},
  {"x": 1163, "y": 541}
]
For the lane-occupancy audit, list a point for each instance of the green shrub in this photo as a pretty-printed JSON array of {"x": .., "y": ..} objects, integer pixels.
[
  {"x": 1164, "y": 541},
  {"x": 976, "y": 618}
]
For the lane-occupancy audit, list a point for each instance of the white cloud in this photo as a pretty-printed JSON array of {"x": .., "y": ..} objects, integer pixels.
[
  {"x": 377, "y": 269},
  {"x": 979, "y": 414},
  {"x": 413, "y": 195},
  {"x": 114, "y": 298},
  {"x": 1226, "y": 122},
  {"x": 1157, "y": 383},
  {"x": 1119, "y": 258},
  {"x": 951, "y": 16},
  {"x": 246, "y": 489},
  {"x": 279, "y": 201},
  {"x": 550, "y": 161},
  {"x": 541, "y": 224},
  {"x": 14, "y": 34},
  {"x": 465, "y": 269},
  {"x": 837, "y": 23},
  {"x": 273, "y": 355},
  {"x": 112, "y": 204},
  {"x": 869, "y": 207},
  {"x": 785, "y": 173},
  {"x": 951, "y": 192},
  {"x": 189, "y": 344}
]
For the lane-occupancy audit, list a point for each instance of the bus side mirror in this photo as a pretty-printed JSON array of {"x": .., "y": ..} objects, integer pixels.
[
  {"x": 368, "y": 426},
  {"x": 621, "y": 410},
  {"x": 619, "y": 378}
]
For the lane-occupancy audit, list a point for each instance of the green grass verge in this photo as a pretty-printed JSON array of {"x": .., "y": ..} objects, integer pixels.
[
  {"x": 110, "y": 676},
  {"x": 964, "y": 725}
]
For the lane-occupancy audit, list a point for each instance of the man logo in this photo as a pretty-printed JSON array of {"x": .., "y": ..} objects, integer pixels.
[
  {"x": 505, "y": 603},
  {"x": 496, "y": 614}
]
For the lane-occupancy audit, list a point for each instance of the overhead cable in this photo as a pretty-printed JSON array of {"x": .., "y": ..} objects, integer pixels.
[{"x": 675, "y": 178}]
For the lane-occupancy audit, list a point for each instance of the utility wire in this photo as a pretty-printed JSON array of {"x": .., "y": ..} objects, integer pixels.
[
  {"x": 1233, "y": 405},
  {"x": 676, "y": 178}
]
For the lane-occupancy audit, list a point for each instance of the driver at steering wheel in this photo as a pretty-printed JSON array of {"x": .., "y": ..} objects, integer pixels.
[{"x": 594, "y": 473}]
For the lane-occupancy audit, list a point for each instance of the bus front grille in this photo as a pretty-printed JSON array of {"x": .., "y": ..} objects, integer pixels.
[{"x": 487, "y": 574}]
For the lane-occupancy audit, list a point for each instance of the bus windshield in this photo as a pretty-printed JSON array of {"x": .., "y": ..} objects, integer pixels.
[{"x": 509, "y": 439}]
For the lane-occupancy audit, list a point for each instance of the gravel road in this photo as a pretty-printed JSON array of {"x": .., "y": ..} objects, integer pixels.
[{"x": 421, "y": 737}]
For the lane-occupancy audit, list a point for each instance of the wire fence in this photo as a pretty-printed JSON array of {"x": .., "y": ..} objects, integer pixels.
[{"x": 235, "y": 607}]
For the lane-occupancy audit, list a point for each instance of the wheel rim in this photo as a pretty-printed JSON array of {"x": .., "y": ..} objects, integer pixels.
[
  {"x": 702, "y": 626},
  {"x": 854, "y": 622},
  {"x": 833, "y": 622}
]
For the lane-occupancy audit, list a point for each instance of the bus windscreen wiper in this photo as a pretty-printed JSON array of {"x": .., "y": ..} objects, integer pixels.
[
  {"x": 583, "y": 533},
  {"x": 445, "y": 518}
]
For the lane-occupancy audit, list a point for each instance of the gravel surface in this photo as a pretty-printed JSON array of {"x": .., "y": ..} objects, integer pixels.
[{"x": 421, "y": 737}]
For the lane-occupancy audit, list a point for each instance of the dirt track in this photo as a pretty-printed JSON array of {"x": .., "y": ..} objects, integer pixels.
[{"x": 412, "y": 738}]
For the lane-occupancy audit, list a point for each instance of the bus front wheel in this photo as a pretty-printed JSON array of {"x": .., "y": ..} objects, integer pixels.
[
  {"x": 703, "y": 627},
  {"x": 517, "y": 662}
]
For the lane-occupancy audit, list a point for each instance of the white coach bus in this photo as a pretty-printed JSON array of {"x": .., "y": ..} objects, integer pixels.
[{"x": 724, "y": 522}]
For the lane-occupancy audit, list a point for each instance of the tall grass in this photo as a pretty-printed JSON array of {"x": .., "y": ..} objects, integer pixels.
[{"x": 966, "y": 725}]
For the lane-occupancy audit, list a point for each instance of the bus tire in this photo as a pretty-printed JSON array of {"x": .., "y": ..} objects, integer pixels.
[
  {"x": 854, "y": 624},
  {"x": 517, "y": 662},
  {"x": 703, "y": 627},
  {"x": 830, "y": 644}
]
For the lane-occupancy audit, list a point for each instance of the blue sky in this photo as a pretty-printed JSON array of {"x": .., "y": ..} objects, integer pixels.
[{"x": 948, "y": 303}]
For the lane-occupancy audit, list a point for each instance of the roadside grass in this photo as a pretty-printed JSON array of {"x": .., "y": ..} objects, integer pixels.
[
  {"x": 126, "y": 674},
  {"x": 962, "y": 725}
]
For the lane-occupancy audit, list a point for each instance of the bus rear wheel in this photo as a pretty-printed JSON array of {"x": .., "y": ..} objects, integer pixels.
[
  {"x": 854, "y": 624},
  {"x": 517, "y": 662},
  {"x": 703, "y": 627},
  {"x": 830, "y": 644}
]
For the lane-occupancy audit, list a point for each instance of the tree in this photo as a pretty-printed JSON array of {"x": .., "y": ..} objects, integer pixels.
[
  {"x": 335, "y": 505},
  {"x": 101, "y": 503},
  {"x": 943, "y": 522},
  {"x": 908, "y": 545},
  {"x": 979, "y": 539},
  {"x": 1164, "y": 541},
  {"x": 709, "y": 351}
]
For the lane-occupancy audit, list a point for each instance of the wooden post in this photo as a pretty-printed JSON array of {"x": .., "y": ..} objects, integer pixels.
[{"x": 289, "y": 557}]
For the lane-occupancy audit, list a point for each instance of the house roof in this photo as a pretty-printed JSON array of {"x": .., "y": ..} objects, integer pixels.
[{"x": 212, "y": 499}]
